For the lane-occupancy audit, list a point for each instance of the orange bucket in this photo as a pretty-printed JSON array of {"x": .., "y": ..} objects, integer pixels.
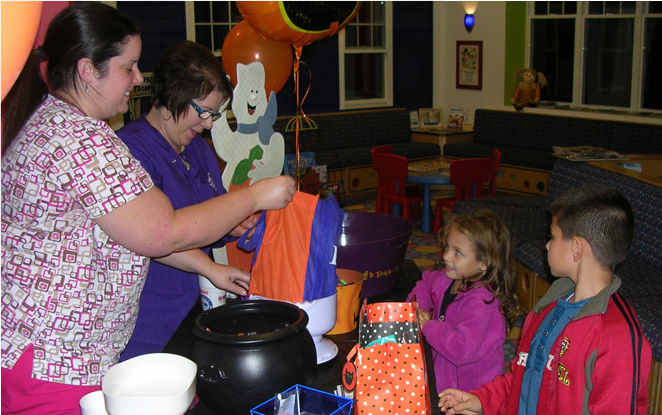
[{"x": 350, "y": 283}]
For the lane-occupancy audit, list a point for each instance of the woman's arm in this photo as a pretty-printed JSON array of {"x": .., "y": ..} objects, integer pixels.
[
  {"x": 149, "y": 226},
  {"x": 222, "y": 276}
]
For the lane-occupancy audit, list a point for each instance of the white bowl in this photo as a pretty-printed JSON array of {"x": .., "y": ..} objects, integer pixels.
[{"x": 156, "y": 383}]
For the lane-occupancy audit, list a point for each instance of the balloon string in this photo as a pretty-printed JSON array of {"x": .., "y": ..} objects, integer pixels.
[{"x": 297, "y": 50}]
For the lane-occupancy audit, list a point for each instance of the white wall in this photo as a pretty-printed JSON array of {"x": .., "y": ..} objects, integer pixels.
[{"x": 449, "y": 28}]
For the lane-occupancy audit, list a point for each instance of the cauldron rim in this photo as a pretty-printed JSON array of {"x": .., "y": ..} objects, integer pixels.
[{"x": 247, "y": 306}]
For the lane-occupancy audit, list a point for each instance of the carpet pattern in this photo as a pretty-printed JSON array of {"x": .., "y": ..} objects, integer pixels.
[{"x": 425, "y": 251}]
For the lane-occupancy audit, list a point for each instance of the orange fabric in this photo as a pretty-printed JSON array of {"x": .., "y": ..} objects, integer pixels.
[{"x": 279, "y": 271}]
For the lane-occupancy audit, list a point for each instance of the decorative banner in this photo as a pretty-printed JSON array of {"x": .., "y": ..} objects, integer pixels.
[
  {"x": 298, "y": 23},
  {"x": 20, "y": 21},
  {"x": 244, "y": 45}
]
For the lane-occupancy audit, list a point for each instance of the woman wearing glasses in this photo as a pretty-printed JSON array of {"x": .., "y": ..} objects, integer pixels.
[
  {"x": 190, "y": 91},
  {"x": 81, "y": 217}
]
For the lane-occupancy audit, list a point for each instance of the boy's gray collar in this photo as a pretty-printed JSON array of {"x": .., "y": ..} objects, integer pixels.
[{"x": 564, "y": 286}]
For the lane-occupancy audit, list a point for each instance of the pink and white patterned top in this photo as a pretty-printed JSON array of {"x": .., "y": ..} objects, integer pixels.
[{"x": 67, "y": 288}]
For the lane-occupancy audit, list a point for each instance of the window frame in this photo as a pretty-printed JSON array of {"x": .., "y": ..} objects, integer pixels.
[
  {"x": 636, "y": 83},
  {"x": 190, "y": 23},
  {"x": 387, "y": 51}
]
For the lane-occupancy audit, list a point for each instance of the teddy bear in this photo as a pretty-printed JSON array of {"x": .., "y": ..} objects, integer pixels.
[{"x": 527, "y": 93}]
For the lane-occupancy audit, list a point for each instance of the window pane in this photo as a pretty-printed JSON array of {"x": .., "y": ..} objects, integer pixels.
[
  {"x": 555, "y": 7},
  {"x": 569, "y": 7},
  {"x": 612, "y": 7},
  {"x": 220, "y": 32},
  {"x": 540, "y": 8},
  {"x": 628, "y": 7},
  {"x": 364, "y": 76},
  {"x": 655, "y": 7},
  {"x": 379, "y": 12},
  {"x": 351, "y": 40},
  {"x": 365, "y": 12},
  {"x": 595, "y": 7},
  {"x": 552, "y": 54},
  {"x": 219, "y": 11},
  {"x": 365, "y": 36},
  {"x": 652, "y": 81},
  {"x": 203, "y": 35},
  {"x": 378, "y": 36},
  {"x": 608, "y": 62},
  {"x": 202, "y": 13}
]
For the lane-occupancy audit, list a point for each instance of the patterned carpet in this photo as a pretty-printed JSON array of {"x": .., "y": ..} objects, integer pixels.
[{"x": 425, "y": 250}]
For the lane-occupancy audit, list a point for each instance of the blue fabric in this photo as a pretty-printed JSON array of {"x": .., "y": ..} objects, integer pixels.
[
  {"x": 169, "y": 293},
  {"x": 539, "y": 353},
  {"x": 321, "y": 278}
]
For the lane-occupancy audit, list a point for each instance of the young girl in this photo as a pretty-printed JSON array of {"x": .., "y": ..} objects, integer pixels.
[{"x": 465, "y": 308}]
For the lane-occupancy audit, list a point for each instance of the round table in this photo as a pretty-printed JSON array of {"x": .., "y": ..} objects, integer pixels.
[{"x": 428, "y": 178}]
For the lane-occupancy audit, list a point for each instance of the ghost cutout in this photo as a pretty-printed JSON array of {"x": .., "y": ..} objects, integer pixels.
[{"x": 254, "y": 151}]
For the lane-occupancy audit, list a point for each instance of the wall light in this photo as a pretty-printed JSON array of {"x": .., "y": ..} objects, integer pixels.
[{"x": 469, "y": 22}]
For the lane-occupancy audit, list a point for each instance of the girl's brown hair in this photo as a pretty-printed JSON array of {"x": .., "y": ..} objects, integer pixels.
[{"x": 491, "y": 240}]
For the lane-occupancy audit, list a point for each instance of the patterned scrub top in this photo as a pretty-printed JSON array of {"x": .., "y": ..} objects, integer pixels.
[{"x": 67, "y": 288}]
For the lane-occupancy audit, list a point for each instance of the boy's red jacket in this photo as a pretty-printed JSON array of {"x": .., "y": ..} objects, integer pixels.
[{"x": 599, "y": 364}]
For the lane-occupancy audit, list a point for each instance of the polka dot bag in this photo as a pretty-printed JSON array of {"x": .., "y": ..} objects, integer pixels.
[{"x": 386, "y": 369}]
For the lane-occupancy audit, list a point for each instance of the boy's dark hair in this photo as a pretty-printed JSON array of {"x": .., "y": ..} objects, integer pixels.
[{"x": 602, "y": 216}]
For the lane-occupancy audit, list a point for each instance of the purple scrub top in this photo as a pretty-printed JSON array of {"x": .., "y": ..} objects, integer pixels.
[{"x": 169, "y": 293}]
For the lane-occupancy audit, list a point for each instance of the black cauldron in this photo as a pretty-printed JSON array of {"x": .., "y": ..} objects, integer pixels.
[{"x": 247, "y": 352}]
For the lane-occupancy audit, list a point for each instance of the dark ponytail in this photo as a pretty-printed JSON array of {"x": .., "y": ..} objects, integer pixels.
[{"x": 83, "y": 30}]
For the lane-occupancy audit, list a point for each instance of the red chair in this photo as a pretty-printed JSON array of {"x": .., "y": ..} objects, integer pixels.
[
  {"x": 381, "y": 190},
  {"x": 468, "y": 176},
  {"x": 394, "y": 173},
  {"x": 496, "y": 161},
  {"x": 385, "y": 149}
]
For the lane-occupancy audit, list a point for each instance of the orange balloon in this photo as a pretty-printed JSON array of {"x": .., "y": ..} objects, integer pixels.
[
  {"x": 244, "y": 45},
  {"x": 299, "y": 23},
  {"x": 20, "y": 21}
]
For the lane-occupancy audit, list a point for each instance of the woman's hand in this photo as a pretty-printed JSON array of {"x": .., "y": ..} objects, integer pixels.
[
  {"x": 453, "y": 401},
  {"x": 229, "y": 278},
  {"x": 273, "y": 192},
  {"x": 246, "y": 225}
]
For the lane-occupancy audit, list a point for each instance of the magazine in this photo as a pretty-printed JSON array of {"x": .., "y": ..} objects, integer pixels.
[{"x": 587, "y": 153}]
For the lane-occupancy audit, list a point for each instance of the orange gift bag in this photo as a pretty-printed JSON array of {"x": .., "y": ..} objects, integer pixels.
[{"x": 386, "y": 369}]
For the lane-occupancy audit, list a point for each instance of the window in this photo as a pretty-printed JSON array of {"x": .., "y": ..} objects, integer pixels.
[
  {"x": 601, "y": 54},
  {"x": 365, "y": 51},
  {"x": 209, "y": 22}
]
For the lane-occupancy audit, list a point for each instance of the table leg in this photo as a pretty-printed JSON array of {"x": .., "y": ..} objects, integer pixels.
[{"x": 427, "y": 209}]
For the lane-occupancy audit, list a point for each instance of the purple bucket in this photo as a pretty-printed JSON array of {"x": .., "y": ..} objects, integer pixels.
[{"x": 374, "y": 245}]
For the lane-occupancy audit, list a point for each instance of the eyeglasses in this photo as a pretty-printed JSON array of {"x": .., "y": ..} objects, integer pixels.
[{"x": 204, "y": 114}]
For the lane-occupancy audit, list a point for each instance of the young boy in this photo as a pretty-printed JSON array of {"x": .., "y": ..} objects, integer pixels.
[{"x": 582, "y": 349}]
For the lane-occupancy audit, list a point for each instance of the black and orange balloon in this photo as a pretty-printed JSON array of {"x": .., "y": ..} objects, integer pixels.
[
  {"x": 298, "y": 22},
  {"x": 244, "y": 45}
]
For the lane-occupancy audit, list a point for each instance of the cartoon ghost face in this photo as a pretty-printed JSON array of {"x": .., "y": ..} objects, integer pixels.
[{"x": 250, "y": 98}]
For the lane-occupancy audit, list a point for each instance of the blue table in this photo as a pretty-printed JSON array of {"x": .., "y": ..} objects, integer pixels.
[{"x": 441, "y": 176}]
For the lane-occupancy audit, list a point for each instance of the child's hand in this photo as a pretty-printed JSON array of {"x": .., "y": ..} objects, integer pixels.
[
  {"x": 423, "y": 317},
  {"x": 453, "y": 401}
]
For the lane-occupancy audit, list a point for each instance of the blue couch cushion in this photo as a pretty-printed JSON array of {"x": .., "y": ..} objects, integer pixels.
[{"x": 649, "y": 310}]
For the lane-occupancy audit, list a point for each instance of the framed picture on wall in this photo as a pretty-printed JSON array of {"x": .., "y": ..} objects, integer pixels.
[{"x": 469, "y": 64}]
